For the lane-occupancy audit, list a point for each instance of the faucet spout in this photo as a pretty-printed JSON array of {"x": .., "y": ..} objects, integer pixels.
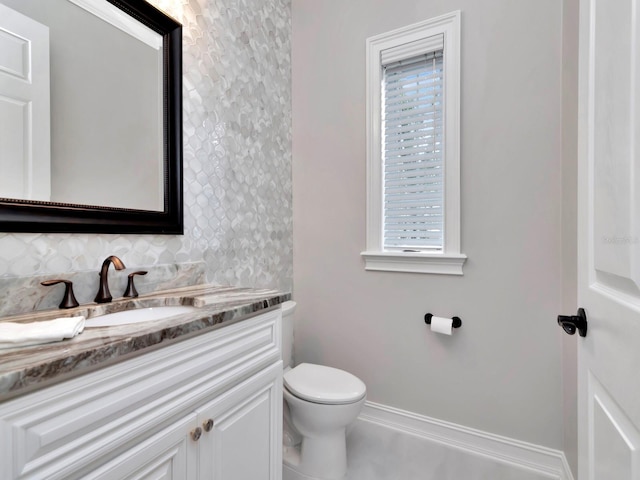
[{"x": 104, "y": 295}]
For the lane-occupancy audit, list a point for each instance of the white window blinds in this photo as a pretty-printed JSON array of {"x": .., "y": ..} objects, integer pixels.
[{"x": 413, "y": 149}]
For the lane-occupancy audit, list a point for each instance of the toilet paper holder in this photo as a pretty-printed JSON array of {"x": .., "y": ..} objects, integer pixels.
[{"x": 457, "y": 321}]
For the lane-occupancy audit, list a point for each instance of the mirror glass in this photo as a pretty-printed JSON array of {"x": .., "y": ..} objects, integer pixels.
[{"x": 88, "y": 115}]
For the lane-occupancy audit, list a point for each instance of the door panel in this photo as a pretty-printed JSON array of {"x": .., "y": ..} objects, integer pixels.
[
  {"x": 615, "y": 446},
  {"x": 168, "y": 455},
  {"x": 25, "y": 152},
  {"x": 15, "y": 118},
  {"x": 612, "y": 146},
  {"x": 245, "y": 441},
  {"x": 242, "y": 436}
]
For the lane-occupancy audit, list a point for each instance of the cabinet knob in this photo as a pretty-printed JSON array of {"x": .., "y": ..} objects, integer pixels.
[
  {"x": 208, "y": 425},
  {"x": 196, "y": 434}
]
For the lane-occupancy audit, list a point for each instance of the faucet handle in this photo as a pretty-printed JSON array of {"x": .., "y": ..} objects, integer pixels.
[
  {"x": 69, "y": 299},
  {"x": 131, "y": 288}
]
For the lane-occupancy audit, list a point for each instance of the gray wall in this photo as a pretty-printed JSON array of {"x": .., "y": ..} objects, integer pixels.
[
  {"x": 570, "y": 15},
  {"x": 501, "y": 372},
  {"x": 237, "y": 156}
]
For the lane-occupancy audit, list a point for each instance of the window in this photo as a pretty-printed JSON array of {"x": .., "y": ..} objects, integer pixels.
[
  {"x": 413, "y": 163},
  {"x": 412, "y": 153}
]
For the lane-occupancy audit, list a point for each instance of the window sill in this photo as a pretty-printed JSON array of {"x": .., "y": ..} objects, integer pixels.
[{"x": 414, "y": 262}]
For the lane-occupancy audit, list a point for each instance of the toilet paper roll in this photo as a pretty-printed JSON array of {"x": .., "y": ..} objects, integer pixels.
[{"x": 442, "y": 325}]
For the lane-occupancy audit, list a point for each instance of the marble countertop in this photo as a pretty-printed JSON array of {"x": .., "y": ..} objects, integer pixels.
[{"x": 27, "y": 368}]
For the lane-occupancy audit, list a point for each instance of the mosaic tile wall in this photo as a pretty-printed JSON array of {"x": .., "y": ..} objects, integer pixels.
[{"x": 237, "y": 157}]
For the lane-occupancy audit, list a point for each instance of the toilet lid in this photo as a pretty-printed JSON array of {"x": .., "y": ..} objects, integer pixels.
[{"x": 320, "y": 384}]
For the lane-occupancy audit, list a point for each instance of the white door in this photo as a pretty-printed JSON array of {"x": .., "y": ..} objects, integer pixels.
[
  {"x": 25, "y": 170},
  {"x": 609, "y": 240}
]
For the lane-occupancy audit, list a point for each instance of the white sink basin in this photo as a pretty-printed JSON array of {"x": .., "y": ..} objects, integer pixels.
[{"x": 137, "y": 315}]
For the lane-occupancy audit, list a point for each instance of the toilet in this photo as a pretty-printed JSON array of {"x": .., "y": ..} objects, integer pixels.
[{"x": 319, "y": 404}]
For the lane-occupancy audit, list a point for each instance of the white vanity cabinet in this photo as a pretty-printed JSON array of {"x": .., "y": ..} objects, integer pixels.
[{"x": 209, "y": 407}]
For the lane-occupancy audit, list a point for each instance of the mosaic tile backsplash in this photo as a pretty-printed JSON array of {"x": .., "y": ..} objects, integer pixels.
[{"x": 237, "y": 159}]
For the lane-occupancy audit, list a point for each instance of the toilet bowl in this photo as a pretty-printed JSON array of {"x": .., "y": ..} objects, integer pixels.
[{"x": 319, "y": 404}]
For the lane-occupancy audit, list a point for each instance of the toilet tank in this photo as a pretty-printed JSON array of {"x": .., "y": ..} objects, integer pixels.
[{"x": 287, "y": 333}]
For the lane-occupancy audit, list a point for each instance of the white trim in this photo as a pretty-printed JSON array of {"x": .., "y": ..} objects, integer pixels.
[
  {"x": 449, "y": 26},
  {"x": 544, "y": 461},
  {"x": 414, "y": 262},
  {"x": 121, "y": 20},
  {"x": 407, "y": 50}
]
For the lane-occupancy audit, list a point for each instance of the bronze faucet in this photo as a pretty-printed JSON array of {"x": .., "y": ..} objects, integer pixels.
[{"x": 104, "y": 295}]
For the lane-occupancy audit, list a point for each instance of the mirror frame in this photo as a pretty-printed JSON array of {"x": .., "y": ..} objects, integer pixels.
[{"x": 52, "y": 217}]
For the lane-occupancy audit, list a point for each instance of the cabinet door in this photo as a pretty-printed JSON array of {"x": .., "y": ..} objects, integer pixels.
[
  {"x": 169, "y": 454},
  {"x": 244, "y": 440}
]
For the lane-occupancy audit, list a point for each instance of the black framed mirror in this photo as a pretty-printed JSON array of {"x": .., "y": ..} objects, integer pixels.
[{"x": 61, "y": 212}]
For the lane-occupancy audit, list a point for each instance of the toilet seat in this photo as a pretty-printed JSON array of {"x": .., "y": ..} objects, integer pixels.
[{"x": 325, "y": 385}]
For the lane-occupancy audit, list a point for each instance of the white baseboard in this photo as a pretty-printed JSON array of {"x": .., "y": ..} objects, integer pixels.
[{"x": 546, "y": 462}]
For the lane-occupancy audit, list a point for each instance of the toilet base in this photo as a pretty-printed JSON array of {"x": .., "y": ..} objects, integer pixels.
[
  {"x": 330, "y": 464},
  {"x": 289, "y": 473}
]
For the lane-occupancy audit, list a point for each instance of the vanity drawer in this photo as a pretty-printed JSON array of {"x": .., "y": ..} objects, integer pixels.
[{"x": 65, "y": 430}]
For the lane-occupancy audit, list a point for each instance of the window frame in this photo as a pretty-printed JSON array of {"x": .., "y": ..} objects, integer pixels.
[{"x": 450, "y": 260}]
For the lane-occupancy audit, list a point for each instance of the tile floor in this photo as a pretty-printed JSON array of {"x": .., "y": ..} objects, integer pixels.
[{"x": 378, "y": 453}]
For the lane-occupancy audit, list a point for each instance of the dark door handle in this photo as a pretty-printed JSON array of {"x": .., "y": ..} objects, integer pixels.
[{"x": 576, "y": 322}]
